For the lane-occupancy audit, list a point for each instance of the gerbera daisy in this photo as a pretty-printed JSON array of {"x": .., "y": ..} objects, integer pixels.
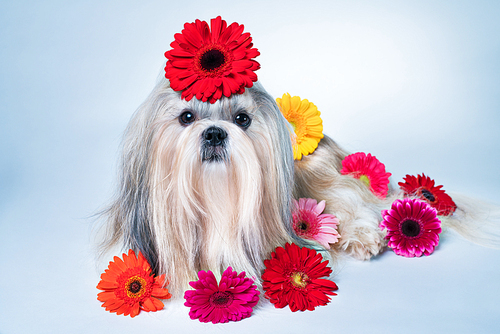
[
  {"x": 232, "y": 299},
  {"x": 293, "y": 277},
  {"x": 423, "y": 187},
  {"x": 305, "y": 119},
  {"x": 413, "y": 227},
  {"x": 310, "y": 223},
  {"x": 129, "y": 286},
  {"x": 208, "y": 62},
  {"x": 368, "y": 169}
]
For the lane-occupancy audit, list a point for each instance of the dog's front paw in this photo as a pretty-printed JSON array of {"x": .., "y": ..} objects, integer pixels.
[{"x": 362, "y": 243}]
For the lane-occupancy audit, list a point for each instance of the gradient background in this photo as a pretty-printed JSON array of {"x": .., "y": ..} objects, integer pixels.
[{"x": 416, "y": 83}]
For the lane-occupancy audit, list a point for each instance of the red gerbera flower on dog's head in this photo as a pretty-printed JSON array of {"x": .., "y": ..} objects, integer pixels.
[
  {"x": 423, "y": 187},
  {"x": 208, "y": 62}
]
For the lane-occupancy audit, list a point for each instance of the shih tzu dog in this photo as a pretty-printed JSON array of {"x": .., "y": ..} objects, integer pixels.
[
  {"x": 203, "y": 185},
  {"x": 207, "y": 171}
]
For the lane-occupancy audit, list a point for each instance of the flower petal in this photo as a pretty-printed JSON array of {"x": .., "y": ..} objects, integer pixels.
[{"x": 229, "y": 68}]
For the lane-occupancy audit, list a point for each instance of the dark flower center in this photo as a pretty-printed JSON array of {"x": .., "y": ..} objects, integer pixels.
[
  {"x": 135, "y": 287},
  {"x": 303, "y": 226},
  {"x": 410, "y": 228},
  {"x": 212, "y": 59},
  {"x": 428, "y": 195},
  {"x": 221, "y": 299}
]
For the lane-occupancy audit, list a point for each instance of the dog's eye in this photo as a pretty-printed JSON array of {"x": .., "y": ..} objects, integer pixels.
[
  {"x": 187, "y": 117},
  {"x": 243, "y": 120}
]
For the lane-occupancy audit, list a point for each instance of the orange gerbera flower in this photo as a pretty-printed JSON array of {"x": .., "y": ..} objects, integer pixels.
[{"x": 129, "y": 286}]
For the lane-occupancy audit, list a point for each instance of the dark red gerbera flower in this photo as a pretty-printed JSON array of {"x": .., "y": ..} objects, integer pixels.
[
  {"x": 208, "y": 62},
  {"x": 423, "y": 188},
  {"x": 293, "y": 277}
]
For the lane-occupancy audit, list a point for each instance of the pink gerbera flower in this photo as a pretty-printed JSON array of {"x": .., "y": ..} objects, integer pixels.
[
  {"x": 368, "y": 169},
  {"x": 413, "y": 227},
  {"x": 232, "y": 299},
  {"x": 309, "y": 222}
]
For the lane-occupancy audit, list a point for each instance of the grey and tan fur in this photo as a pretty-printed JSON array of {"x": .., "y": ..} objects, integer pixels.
[
  {"x": 357, "y": 208},
  {"x": 186, "y": 212}
]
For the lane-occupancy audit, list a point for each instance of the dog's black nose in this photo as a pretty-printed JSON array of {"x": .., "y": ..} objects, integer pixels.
[{"x": 214, "y": 136}]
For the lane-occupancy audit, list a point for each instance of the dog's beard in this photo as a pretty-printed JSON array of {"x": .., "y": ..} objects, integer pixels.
[
  {"x": 223, "y": 197},
  {"x": 210, "y": 198},
  {"x": 210, "y": 153}
]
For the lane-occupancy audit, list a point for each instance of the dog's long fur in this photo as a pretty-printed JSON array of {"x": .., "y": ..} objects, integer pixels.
[
  {"x": 187, "y": 214},
  {"x": 357, "y": 208}
]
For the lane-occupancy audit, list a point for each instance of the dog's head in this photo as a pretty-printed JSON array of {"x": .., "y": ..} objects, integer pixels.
[{"x": 204, "y": 185}]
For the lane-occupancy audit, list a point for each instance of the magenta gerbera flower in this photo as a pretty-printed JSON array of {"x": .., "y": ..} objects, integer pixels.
[
  {"x": 413, "y": 227},
  {"x": 309, "y": 222},
  {"x": 368, "y": 169},
  {"x": 232, "y": 299}
]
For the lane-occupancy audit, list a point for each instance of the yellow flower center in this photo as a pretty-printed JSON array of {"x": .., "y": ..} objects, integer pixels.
[
  {"x": 299, "y": 279},
  {"x": 135, "y": 286},
  {"x": 299, "y": 125},
  {"x": 365, "y": 180}
]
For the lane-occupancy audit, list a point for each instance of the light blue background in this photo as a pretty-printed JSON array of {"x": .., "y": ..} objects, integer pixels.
[{"x": 416, "y": 83}]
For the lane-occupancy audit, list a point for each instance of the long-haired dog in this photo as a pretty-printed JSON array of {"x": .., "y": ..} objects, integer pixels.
[
  {"x": 207, "y": 185},
  {"x": 204, "y": 186}
]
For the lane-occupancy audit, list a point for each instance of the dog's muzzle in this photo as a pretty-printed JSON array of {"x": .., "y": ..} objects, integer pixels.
[{"x": 214, "y": 144}]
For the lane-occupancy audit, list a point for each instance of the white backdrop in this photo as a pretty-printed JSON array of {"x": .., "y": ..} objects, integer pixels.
[{"x": 416, "y": 83}]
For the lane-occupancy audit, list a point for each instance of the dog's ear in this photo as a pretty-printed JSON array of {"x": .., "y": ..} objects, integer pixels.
[
  {"x": 128, "y": 217},
  {"x": 279, "y": 179},
  {"x": 279, "y": 155},
  {"x": 131, "y": 216}
]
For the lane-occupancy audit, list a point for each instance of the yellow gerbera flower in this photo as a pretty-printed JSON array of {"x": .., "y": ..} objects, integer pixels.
[{"x": 305, "y": 119}]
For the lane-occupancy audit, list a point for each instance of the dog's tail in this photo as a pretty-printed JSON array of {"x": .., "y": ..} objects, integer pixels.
[{"x": 475, "y": 220}]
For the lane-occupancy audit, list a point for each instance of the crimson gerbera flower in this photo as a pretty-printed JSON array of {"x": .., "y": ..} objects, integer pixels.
[
  {"x": 129, "y": 286},
  {"x": 423, "y": 187},
  {"x": 413, "y": 227},
  {"x": 368, "y": 169},
  {"x": 208, "y": 62},
  {"x": 231, "y": 299},
  {"x": 293, "y": 277},
  {"x": 310, "y": 223}
]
